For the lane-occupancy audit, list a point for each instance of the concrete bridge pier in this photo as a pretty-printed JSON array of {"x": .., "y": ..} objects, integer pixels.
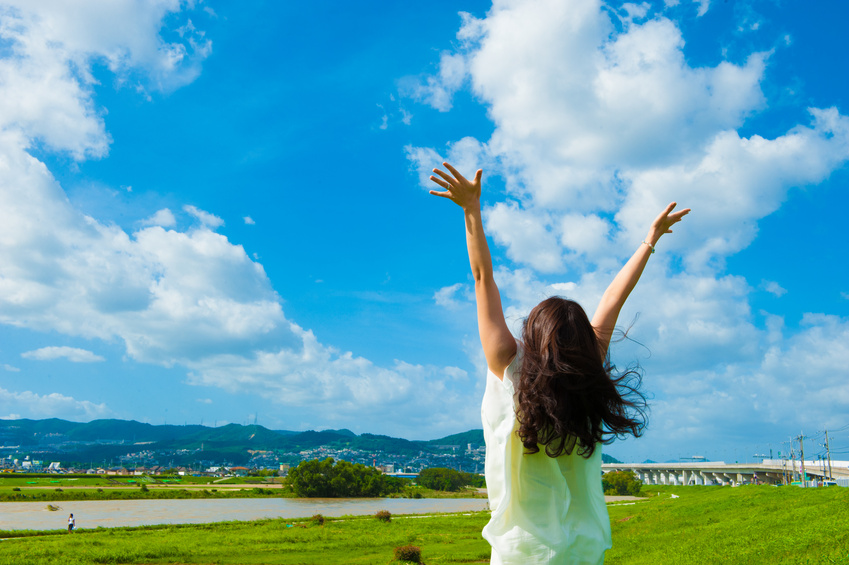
[
  {"x": 773, "y": 478},
  {"x": 713, "y": 473}
]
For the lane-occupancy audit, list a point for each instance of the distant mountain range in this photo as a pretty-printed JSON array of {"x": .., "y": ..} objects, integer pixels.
[{"x": 104, "y": 439}]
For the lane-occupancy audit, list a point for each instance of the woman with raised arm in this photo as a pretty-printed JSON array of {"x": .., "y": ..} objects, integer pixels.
[{"x": 550, "y": 402}]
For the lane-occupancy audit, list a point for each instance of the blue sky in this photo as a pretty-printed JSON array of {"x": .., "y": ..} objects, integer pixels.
[{"x": 217, "y": 213}]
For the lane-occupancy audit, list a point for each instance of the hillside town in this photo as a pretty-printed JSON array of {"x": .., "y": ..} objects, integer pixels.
[{"x": 467, "y": 458}]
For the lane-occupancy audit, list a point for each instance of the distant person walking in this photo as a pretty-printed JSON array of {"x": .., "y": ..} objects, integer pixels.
[
  {"x": 551, "y": 400},
  {"x": 71, "y": 523}
]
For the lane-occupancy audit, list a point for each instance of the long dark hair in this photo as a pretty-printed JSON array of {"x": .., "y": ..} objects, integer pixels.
[{"x": 567, "y": 392}]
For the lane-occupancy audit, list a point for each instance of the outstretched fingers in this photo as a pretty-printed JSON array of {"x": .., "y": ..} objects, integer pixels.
[
  {"x": 445, "y": 194},
  {"x": 677, "y": 216},
  {"x": 458, "y": 189},
  {"x": 454, "y": 172},
  {"x": 445, "y": 181},
  {"x": 666, "y": 219}
]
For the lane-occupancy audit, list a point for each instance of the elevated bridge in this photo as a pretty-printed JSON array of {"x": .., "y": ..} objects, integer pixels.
[{"x": 771, "y": 471}]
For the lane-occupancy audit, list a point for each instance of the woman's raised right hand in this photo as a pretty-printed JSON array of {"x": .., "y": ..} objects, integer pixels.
[{"x": 458, "y": 189}]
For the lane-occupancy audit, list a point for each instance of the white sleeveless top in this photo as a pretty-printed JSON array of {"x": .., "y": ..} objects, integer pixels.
[{"x": 544, "y": 510}]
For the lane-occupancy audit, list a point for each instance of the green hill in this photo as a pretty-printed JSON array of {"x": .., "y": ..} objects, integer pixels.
[
  {"x": 462, "y": 439},
  {"x": 104, "y": 440}
]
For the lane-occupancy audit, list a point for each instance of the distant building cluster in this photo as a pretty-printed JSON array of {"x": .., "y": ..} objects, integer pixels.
[{"x": 468, "y": 458}]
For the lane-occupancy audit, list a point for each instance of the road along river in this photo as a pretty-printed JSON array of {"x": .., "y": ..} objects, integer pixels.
[{"x": 116, "y": 513}]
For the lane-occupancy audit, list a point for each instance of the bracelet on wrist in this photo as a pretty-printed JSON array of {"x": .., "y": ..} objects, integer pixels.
[{"x": 650, "y": 245}]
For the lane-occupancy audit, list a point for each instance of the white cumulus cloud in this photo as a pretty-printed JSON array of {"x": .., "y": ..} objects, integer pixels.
[
  {"x": 209, "y": 220},
  {"x": 773, "y": 288},
  {"x": 448, "y": 296},
  {"x": 73, "y": 354},
  {"x": 28, "y": 404},
  {"x": 49, "y": 47},
  {"x": 597, "y": 126},
  {"x": 337, "y": 386},
  {"x": 164, "y": 218},
  {"x": 173, "y": 297}
]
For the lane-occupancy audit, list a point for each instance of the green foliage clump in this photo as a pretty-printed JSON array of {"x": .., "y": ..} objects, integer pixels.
[
  {"x": 256, "y": 490},
  {"x": 621, "y": 483},
  {"x": 328, "y": 479},
  {"x": 408, "y": 553},
  {"x": 439, "y": 478},
  {"x": 383, "y": 516},
  {"x": 317, "y": 520}
]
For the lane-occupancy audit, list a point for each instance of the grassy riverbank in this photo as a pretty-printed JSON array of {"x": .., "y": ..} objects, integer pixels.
[
  {"x": 55, "y": 488},
  {"x": 703, "y": 525}
]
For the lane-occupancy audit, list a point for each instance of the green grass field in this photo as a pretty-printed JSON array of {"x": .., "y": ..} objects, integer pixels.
[
  {"x": 57, "y": 488},
  {"x": 53, "y": 488},
  {"x": 705, "y": 525},
  {"x": 10, "y": 480},
  {"x": 752, "y": 524}
]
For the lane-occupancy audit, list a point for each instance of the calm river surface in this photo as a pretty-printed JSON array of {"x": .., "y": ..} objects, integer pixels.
[{"x": 115, "y": 513}]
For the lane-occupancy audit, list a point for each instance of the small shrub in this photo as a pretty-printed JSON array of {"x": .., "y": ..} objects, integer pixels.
[
  {"x": 408, "y": 553},
  {"x": 58, "y": 490},
  {"x": 143, "y": 487},
  {"x": 17, "y": 489},
  {"x": 383, "y": 516},
  {"x": 621, "y": 483},
  {"x": 317, "y": 520},
  {"x": 100, "y": 490}
]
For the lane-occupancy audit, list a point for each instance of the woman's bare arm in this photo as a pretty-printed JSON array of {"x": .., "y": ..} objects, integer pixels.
[
  {"x": 604, "y": 320},
  {"x": 499, "y": 346}
]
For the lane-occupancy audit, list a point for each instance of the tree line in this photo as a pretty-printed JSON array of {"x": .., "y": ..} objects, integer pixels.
[{"x": 342, "y": 479}]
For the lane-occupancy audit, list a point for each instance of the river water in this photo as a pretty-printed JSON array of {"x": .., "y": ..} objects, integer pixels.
[{"x": 115, "y": 513}]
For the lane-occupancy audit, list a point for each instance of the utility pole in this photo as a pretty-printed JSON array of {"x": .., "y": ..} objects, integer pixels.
[
  {"x": 828, "y": 454},
  {"x": 786, "y": 476},
  {"x": 802, "y": 458},
  {"x": 783, "y": 468},
  {"x": 793, "y": 461}
]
